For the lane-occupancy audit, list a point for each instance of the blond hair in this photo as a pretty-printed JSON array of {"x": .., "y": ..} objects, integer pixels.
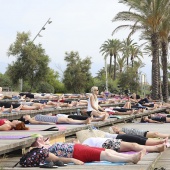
[{"x": 94, "y": 88}]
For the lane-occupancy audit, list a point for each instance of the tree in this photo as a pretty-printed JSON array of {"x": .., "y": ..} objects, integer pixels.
[
  {"x": 121, "y": 64},
  {"x": 31, "y": 61},
  {"x": 147, "y": 16},
  {"x": 52, "y": 78},
  {"x": 164, "y": 35},
  {"x": 129, "y": 80},
  {"x": 135, "y": 53},
  {"x": 5, "y": 80},
  {"x": 111, "y": 47},
  {"x": 77, "y": 76},
  {"x": 127, "y": 46}
]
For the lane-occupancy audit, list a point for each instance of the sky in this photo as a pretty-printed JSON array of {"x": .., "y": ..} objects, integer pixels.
[{"x": 77, "y": 25}]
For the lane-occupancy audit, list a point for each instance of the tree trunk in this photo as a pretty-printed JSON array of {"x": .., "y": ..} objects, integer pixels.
[
  {"x": 165, "y": 75},
  {"x": 114, "y": 77},
  {"x": 110, "y": 65},
  {"x": 127, "y": 61},
  {"x": 155, "y": 68},
  {"x": 159, "y": 79}
]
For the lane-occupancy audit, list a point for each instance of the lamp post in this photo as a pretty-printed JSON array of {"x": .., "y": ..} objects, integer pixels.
[
  {"x": 106, "y": 74},
  {"x": 43, "y": 28},
  {"x": 143, "y": 83},
  {"x": 38, "y": 34}
]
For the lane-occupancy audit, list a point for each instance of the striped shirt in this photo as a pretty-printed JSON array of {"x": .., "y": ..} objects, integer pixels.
[{"x": 46, "y": 118}]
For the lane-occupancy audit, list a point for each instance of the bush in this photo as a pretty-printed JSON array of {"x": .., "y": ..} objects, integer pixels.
[{"x": 45, "y": 88}]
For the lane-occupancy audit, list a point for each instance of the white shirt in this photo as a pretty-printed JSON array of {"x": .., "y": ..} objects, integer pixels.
[
  {"x": 89, "y": 107},
  {"x": 94, "y": 142}
]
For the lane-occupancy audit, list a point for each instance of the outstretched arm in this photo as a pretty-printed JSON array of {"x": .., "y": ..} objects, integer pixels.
[
  {"x": 5, "y": 127},
  {"x": 153, "y": 121},
  {"x": 54, "y": 158}
]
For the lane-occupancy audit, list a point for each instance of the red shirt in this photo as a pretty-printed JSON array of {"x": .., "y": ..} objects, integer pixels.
[{"x": 2, "y": 121}]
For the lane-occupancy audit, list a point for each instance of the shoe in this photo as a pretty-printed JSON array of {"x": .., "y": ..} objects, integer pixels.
[
  {"x": 48, "y": 165},
  {"x": 59, "y": 163}
]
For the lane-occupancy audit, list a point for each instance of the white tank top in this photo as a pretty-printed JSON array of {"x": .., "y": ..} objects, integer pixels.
[
  {"x": 89, "y": 107},
  {"x": 95, "y": 142}
]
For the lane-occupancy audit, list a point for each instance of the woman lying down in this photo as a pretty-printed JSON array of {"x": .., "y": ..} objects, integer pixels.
[{"x": 79, "y": 154}]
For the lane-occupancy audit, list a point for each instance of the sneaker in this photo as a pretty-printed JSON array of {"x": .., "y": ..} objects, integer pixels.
[
  {"x": 59, "y": 163},
  {"x": 48, "y": 165}
]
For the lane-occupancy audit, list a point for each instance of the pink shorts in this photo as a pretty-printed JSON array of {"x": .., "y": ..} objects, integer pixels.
[{"x": 86, "y": 153}]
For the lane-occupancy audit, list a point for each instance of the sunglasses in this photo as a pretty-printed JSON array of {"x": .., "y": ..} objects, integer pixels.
[{"x": 96, "y": 90}]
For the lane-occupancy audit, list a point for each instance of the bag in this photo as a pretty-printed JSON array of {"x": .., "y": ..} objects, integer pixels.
[
  {"x": 33, "y": 158},
  {"x": 85, "y": 134}
]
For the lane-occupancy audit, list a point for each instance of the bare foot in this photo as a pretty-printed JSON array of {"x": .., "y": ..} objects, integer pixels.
[
  {"x": 10, "y": 109},
  {"x": 41, "y": 107},
  {"x": 88, "y": 120},
  {"x": 49, "y": 114},
  {"x": 18, "y": 108},
  {"x": 105, "y": 117},
  {"x": 131, "y": 112},
  {"x": 2, "y": 109},
  {"x": 166, "y": 139},
  {"x": 160, "y": 148},
  {"x": 137, "y": 157}
]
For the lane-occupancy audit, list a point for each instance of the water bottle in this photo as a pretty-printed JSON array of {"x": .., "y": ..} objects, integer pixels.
[{"x": 78, "y": 112}]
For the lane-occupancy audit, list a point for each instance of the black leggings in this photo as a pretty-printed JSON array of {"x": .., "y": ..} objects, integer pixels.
[
  {"x": 29, "y": 95},
  {"x": 121, "y": 109},
  {"x": 8, "y": 104},
  {"x": 77, "y": 117},
  {"x": 132, "y": 138}
]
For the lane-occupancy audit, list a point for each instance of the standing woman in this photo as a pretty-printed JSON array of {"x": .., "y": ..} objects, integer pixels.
[{"x": 93, "y": 107}]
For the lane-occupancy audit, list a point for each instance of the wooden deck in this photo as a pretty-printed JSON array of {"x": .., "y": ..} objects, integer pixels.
[{"x": 149, "y": 162}]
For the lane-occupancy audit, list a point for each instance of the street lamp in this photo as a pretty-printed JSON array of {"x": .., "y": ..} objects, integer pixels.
[
  {"x": 38, "y": 35},
  {"x": 106, "y": 74},
  {"x": 143, "y": 84},
  {"x": 43, "y": 28}
]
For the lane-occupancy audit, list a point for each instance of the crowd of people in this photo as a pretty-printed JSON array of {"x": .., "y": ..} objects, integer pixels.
[{"x": 107, "y": 148}]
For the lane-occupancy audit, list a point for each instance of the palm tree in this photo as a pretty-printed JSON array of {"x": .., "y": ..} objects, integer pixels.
[
  {"x": 126, "y": 48},
  {"x": 121, "y": 64},
  {"x": 164, "y": 34},
  {"x": 135, "y": 53},
  {"x": 148, "y": 16},
  {"x": 111, "y": 47}
]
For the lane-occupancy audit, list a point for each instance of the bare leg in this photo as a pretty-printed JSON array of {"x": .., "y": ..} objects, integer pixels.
[
  {"x": 113, "y": 156},
  {"x": 155, "y": 141},
  {"x": 129, "y": 112},
  {"x": 18, "y": 108},
  {"x": 25, "y": 107},
  {"x": 99, "y": 114},
  {"x": 126, "y": 146},
  {"x": 156, "y": 135},
  {"x": 127, "y": 105},
  {"x": 55, "y": 158},
  {"x": 72, "y": 121},
  {"x": 105, "y": 117}
]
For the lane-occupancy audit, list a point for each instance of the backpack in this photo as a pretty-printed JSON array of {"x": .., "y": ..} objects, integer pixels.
[{"x": 33, "y": 158}]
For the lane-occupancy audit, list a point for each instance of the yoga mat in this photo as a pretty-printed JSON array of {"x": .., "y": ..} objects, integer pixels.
[
  {"x": 15, "y": 137},
  {"x": 61, "y": 127},
  {"x": 131, "y": 152},
  {"x": 48, "y": 129},
  {"x": 112, "y": 116},
  {"x": 102, "y": 163}
]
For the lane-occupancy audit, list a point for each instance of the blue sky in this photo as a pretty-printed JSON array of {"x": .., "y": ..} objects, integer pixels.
[{"x": 77, "y": 25}]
